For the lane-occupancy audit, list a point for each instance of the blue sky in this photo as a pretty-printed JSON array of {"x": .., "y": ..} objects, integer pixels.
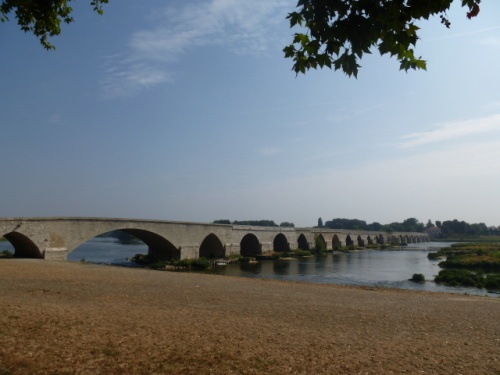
[{"x": 187, "y": 110}]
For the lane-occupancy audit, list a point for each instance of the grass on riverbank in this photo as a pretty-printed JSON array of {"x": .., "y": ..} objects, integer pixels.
[
  {"x": 468, "y": 239},
  {"x": 469, "y": 264}
]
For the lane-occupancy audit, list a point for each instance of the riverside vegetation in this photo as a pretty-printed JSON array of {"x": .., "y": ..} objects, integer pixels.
[{"x": 469, "y": 264}]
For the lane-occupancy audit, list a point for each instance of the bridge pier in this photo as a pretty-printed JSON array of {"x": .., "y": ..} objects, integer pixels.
[
  {"x": 232, "y": 248},
  {"x": 189, "y": 252},
  {"x": 55, "y": 253},
  {"x": 267, "y": 247}
]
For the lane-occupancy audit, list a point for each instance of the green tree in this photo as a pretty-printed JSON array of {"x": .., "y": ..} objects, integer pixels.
[
  {"x": 339, "y": 32},
  {"x": 320, "y": 223},
  {"x": 222, "y": 221},
  {"x": 43, "y": 18}
]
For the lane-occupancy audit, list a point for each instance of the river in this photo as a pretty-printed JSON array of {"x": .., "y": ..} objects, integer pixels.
[{"x": 371, "y": 268}]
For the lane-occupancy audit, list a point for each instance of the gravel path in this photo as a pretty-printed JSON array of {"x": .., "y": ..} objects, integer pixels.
[{"x": 75, "y": 318}]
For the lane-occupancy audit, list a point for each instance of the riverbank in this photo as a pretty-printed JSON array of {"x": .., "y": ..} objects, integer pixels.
[{"x": 77, "y": 318}]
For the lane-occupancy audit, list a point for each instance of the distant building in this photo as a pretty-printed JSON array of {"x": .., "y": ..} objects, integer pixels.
[{"x": 433, "y": 232}]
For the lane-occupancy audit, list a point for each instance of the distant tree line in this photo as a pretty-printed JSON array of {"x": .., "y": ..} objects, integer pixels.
[
  {"x": 455, "y": 227},
  {"x": 255, "y": 223},
  {"x": 448, "y": 227},
  {"x": 409, "y": 225}
]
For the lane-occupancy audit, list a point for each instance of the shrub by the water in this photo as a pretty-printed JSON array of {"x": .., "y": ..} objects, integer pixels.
[
  {"x": 460, "y": 277},
  {"x": 201, "y": 263},
  {"x": 418, "y": 278},
  {"x": 433, "y": 256},
  {"x": 492, "y": 281},
  {"x": 302, "y": 253}
]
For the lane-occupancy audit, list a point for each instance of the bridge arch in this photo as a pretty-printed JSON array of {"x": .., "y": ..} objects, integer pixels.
[
  {"x": 360, "y": 241},
  {"x": 336, "y": 243},
  {"x": 302, "y": 242},
  {"x": 349, "y": 241},
  {"x": 280, "y": 243},
  {"x": 158, "y": 246},
  {"x": 250, "y": 245},
  {"x": 212, "y": 247},
  {"x": 24, "y": 247}
]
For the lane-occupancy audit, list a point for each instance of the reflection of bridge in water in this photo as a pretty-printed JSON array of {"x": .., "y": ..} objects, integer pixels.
[{"x": 55, "y": 238}]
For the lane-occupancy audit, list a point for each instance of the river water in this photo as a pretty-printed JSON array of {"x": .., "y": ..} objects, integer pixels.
[{"x": 371, "y": 268}]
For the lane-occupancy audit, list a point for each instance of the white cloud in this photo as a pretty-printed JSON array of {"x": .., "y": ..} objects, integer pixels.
[
  {"x": 129, "y": 77},
  {"x": 451, "y": 130},
  {"x": 242, "y": 27}
]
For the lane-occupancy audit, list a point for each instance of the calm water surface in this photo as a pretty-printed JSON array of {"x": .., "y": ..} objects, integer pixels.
[{"x": 375, "y": 268}]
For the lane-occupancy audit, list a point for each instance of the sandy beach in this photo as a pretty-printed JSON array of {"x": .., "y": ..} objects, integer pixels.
[{"x": 77, "y": 318}]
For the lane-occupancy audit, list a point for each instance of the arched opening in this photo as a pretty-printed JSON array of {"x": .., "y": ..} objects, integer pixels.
[
  {"x": 212, "y": 248},
  {"x": 118, "y": 246},
  {"x": 349, "y": 241},
  {"x": 370, "y": 240},
  {"x": 380, "y": 239},
  {"x": 250, "y": 246},
  {"x": 23, "y": 246},
  {"x": 361, "y": 241},
  {"x": 336, "y": 244},
  {"x": 280, "y": 243},
  {"x": 302, "y": 242}
]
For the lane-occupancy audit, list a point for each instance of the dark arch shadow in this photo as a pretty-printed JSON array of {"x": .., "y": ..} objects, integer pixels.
[
  {"x": 23, "y": 246},
  {"x": 336, "y": 244},
  {"x": 349, "y": 241},
  {"x": 250, "y": 246},
  {"x": 280, "y": 243},
  {"x": 302, "y": 242},
  {"x": 360, "y": 241},
  {"x": 212, "y": 248},
  {"x": 380, "y": 239},
  {"x": 159, "y": 247}
]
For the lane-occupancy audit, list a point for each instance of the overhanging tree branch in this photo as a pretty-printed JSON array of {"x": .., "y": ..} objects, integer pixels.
[{"x": 339, "y": 32}]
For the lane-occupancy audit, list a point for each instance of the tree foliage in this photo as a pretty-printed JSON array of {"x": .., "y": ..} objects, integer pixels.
[
  {"x": 455, "y": 227},
  {"x": 409, "y": 225},
  {"x": 43, "y": 18},
  {"x": 256, "y": 223},
  {"x": 339, "y": 32}
]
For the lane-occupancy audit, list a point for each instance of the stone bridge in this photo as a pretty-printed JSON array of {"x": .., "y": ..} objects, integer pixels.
[{"x": 55, "y": 238}]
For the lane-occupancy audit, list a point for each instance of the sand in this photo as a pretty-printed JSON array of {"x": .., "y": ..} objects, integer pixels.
[{"x": 77, "y": 318}]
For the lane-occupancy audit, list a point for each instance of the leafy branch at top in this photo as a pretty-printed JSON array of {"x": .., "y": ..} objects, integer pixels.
[
  {"x": 43, "y": 18},
  {"x": 339, "y": 32}
]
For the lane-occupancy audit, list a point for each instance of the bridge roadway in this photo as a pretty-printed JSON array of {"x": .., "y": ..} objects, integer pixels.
[{"x": 55, "y": 238}]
